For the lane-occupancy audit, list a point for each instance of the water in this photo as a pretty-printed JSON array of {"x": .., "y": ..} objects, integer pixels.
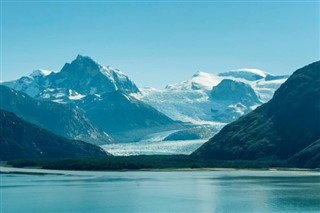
[{"x": 178, "y": 191}]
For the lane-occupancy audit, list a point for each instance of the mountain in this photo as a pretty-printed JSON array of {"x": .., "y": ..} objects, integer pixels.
[
  {"x": 288, "y": 124},
  {"x": 83, "y": 76},
  {"x": 22, "y": 140},
  {"x": 213, "y": 99},
  {"x": 103, "y": 94},
  {"x": 235, "y": 92},
  {"x": 65, "y": 120},
  {"x": 232, "y": 99},
  {"x": 86, "y": 76}
]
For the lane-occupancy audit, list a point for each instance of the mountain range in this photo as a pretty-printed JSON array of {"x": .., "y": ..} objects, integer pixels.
[
  {"x": 113, "y": 108},
  {"x": 285, "y": 128},
  {"x": 100, "y": 93},
  {"x": 97, "y": 104}
]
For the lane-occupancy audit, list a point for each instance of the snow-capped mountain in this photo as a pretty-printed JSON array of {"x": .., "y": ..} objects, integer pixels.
[
  {"x": 214, "y": 99},
  {"x": 102, "y": 93},
  {"x": 81, "y": 77}
]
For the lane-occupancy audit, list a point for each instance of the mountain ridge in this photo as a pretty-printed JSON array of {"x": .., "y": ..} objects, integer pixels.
[
  {"x": 65, "y": 120},
  {"x": 20, "y": 139}
]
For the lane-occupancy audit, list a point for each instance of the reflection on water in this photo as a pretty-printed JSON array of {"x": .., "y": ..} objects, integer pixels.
[{"x": 202, "y": 191}]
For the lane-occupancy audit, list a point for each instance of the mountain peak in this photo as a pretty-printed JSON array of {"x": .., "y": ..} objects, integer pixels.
[
  {"x": 235, "y": 91},
  {"x": 85, "y": 62},
  {"x": 82, "y": 67},
  {"x": 86, "y": 76},
  {"x": 203, "y": 80},
  {"x": 79, "y": 57},
  {"x": 250, "y": 70},
  {"x": 200, "y": 73},
  {"x": 40, "y": 72},
  {"x": 246, "y": 73},
  {"x": 84, "y": 58}
]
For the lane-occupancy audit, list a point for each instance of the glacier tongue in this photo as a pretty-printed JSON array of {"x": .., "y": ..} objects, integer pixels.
[{"x": 155, "y": 148}]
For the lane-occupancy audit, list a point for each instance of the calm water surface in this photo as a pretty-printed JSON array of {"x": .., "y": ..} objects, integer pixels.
[{"x": 194, "y": 191}]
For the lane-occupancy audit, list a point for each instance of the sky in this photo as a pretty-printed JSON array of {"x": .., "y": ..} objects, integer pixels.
[{"x": 156, "y": 43}]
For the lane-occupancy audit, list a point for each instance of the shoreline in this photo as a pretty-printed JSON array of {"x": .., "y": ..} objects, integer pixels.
[{"x": 40, "y": 171}]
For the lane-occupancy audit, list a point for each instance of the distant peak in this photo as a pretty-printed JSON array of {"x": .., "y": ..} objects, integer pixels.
[
  {"x": 79, "y": 57},
  {"x": 84, "y": 58},
  {"x": 86, "y": 61},
  {"x": 250, "y": 70},
  {"x": 40, "y": 72},
  {"x": 246, "y": 73},
  {"x": 200, "y": 73}
]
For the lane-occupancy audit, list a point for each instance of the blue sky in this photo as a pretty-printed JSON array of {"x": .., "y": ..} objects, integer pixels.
[{"x": 156, "y": 43}]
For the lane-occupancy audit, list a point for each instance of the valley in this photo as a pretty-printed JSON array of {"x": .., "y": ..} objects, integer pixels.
[{"x": 102, "y": 106}]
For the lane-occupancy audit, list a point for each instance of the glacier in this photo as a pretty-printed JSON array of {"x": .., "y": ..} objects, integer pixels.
[{"x": 192, "y": 101}]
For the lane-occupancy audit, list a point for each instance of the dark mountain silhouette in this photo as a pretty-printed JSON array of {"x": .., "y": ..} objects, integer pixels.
[{"x": 22, "y": 140}]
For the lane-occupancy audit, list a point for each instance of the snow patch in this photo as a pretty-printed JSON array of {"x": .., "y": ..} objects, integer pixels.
[
  {"x": 73, "y": 95},
  {"x": 255, "y": 71},
  {"x": 40, "y": 72},
  {"x": 76, "y": 97}
]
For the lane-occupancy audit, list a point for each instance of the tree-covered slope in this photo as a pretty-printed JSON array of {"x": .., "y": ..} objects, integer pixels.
[{"x": 22, "y": 140}]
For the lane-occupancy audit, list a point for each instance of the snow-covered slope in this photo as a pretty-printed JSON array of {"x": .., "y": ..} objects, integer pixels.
[
  {"x": 246, "y": 73},
  {"x": 213, "y": 99},
  {"x": 200, "y": 81}
]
